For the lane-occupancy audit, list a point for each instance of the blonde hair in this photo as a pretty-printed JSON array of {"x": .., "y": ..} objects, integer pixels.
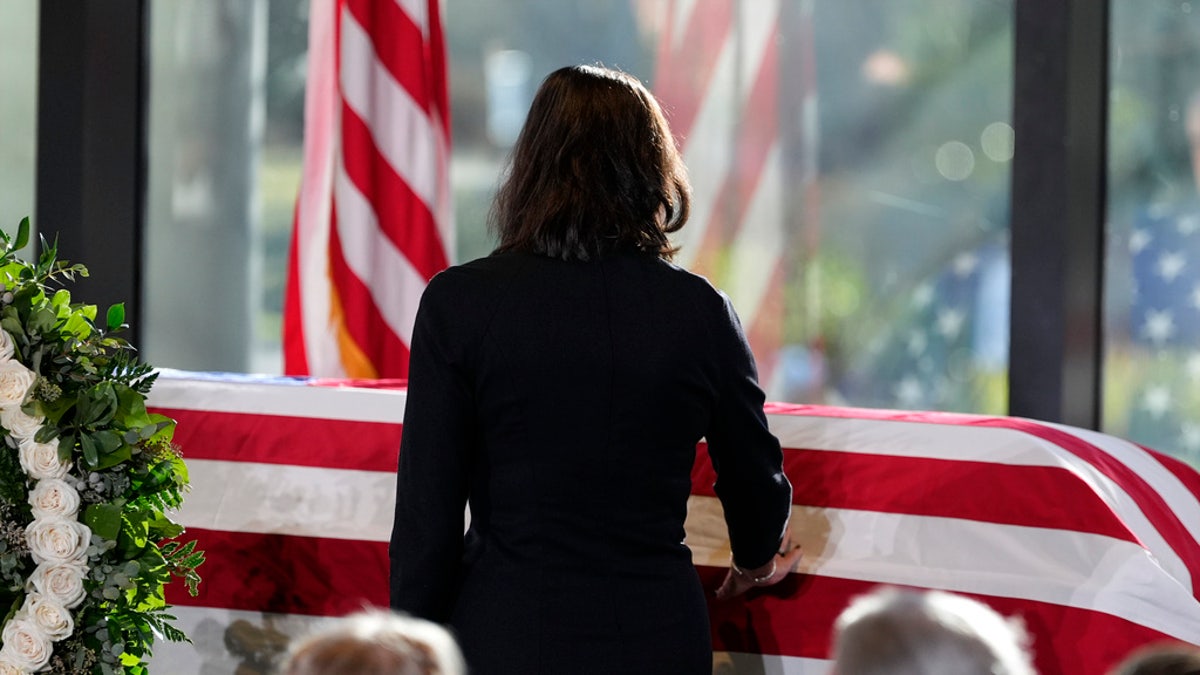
[
  {"x": 376, "y": 642},
  {"x": 904, "y": 632}
]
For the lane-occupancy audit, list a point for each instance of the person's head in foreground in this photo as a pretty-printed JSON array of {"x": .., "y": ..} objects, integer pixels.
[
  {"x": 1162, "y": 659},
  {"x": 594, "y": 171},
  {"x": 904, "y": 632},
  {"x": 376, "y": 642}
]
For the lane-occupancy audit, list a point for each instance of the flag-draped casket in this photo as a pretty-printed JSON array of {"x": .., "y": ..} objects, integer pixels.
[{"x": 1092, "y": 541}]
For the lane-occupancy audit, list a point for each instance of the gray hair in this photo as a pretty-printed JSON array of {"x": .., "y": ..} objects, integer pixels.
[
  {"x": 376, "y": 642},
  {"x": 1167, "y": 658},
  {"x": 904, "y": 632}
]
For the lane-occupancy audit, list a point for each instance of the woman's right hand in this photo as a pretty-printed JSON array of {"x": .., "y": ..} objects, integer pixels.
[{"x": 738, "y": 580}]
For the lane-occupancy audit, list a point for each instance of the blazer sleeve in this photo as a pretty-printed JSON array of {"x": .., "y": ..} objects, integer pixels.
[
  {"x": 752, "y": 487},
  {"x": 435, "y": 451}
]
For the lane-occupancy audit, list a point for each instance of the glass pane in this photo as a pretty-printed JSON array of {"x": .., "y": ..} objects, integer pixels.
[
  {"x": 225, "y": 121},
  {"x": 850, "y": 160},
  {"x": 18, "y": 110},
  {"x": 1152, "y": 304}
]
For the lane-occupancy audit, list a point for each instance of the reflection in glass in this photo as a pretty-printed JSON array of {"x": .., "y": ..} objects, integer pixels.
[
  {"x": 226, "y": 83},
  {"x": 1152, "y": 293},
  {"x": 850, "y": 161}
]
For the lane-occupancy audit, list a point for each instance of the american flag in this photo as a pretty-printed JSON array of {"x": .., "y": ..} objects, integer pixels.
[
  {"x": 939, "y": 341},
  {"x": 1163, "y": 326},
  {"x": 717, "y": 76},
  {"x": 372, "y": 222},
  {"x": 294, "y": 487}
]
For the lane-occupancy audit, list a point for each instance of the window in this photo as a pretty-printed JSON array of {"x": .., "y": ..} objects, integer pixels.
[
  {"x": 1152, "y": 285},
  {"x": 850, "y": 161},
  {"x": 18, "y": 110},
  {"x": 226, "y": 108}
]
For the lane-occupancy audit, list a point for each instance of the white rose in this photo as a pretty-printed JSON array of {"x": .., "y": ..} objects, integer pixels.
[
  {"x": 53, "y": 497},
  {"x": 40, "y": 460},
  {"x": 50, "y": 617},
  {"x": 15, "y": 380},
  {"x": 25, "y": 644},
  {"x": 6, "y": 353},
  {"x": 55, "y": 540},
  {"x": 61, "y": 583},
  {"x": 7, "y": 666},
  {"x": 19, "y": 424}
]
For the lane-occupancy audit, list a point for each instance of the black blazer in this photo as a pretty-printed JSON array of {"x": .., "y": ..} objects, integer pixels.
[{"x": 564, "y": 401}]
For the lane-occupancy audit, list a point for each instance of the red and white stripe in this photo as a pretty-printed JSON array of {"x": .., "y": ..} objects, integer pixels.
[
  {"x": 373, "y": 221},
  {"x": 1093, "y": 541},
  {"x": 718, "y": 79}
]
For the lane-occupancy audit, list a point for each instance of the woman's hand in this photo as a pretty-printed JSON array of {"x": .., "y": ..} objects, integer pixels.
[{"x": 738, "y": 580}]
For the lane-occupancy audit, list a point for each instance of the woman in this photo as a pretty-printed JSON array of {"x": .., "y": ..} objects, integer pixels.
[{"x": 560, "y": 386}]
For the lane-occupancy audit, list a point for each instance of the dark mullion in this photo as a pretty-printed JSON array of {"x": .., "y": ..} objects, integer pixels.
[
  {"x": 1058, "y": 205},
  {"x": 90, "y": 157}
]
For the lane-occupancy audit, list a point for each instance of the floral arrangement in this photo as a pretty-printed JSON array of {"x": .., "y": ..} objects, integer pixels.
[{"x": 87, "y": 477}]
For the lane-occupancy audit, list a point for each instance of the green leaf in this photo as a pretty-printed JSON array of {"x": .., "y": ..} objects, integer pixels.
[
  {"x": 181, "y": 471},
  {"x": 158, "y": 477},
  {"x": 88, "y": 446},
  {"x": 165, "y": 429},
  {"x": 165, "y": 528},
  {"x": 42, "y": 320},
  {"x": 45, "y": 433},
  {"x": 16, "y": 606},
  {"x": 109, "y": 448},
  {"x": 12, "y": 325},
  {"x": 101, "y": 404},
  {"x": 116, "y": 316},
  {"x": 174, "y": 551},
  {"x": 22, "y": 235},
  {"x": 131, "y": 408},
  {"x": 66, "y": 447},
  {"x": 104, "y": 519}
]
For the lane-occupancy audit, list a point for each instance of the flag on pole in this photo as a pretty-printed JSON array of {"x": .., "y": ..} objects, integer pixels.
[
  {"x": 717, "y": 77},
  {"x": 373, "y": 221}
]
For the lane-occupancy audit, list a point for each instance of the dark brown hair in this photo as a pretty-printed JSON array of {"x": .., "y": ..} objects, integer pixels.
[{"x": 595, "y": 170}]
